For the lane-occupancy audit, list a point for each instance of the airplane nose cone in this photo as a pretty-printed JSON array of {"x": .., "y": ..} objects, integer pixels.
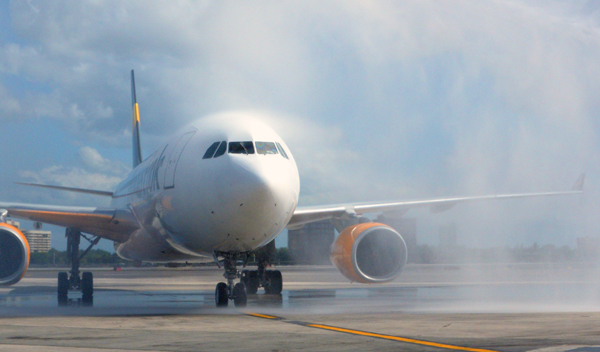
[
  {"x": 255, "y": 194},
  {"x": 246, "y": 185}
]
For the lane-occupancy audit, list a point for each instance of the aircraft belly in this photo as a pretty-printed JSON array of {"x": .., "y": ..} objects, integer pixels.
[{"x": 144, "y": 247}]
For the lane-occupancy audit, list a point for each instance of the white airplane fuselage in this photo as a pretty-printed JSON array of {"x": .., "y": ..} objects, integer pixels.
[{"x": 191, "y": 207}]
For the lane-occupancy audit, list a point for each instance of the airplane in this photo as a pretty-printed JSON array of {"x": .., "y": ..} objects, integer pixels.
[{"x": 219, "y": 190}]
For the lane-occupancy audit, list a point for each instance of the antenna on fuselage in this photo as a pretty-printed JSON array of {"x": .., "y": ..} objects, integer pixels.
[{"x": 137, "y": 149}]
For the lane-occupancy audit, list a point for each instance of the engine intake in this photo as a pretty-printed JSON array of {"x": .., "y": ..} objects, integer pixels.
[
  {"x": 369, "y": 253},
  {"x": 14, "y": 255}
]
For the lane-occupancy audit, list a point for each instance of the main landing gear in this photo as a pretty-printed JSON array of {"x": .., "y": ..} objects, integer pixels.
[
  {"x": 270, "y": 280},
  {"x": 73, "y": 282},
  {"x": 250, "y": 280}
]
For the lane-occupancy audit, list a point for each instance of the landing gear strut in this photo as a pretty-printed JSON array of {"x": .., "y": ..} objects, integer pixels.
[
  {"x": 270, "y": 280},
  {"x": 250, "y": 280},
  {"x": 226, "y": 291},
  {"x": 67, "y": 282}
]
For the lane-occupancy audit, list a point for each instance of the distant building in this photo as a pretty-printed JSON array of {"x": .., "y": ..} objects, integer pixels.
[
  {"x": 39, "y": 241},
  {"x": 448, "y": 235},
  {"x": 13, "y": 223},
  {"x": 407, "y": 227},
  {"x": 310, "y": 244}
]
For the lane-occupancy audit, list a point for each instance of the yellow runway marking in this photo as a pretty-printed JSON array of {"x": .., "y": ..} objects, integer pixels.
[
  {"x": 396, "y": 338},
  {"x": 263, "y": 316},
  {"x": 370, "y": 334}
]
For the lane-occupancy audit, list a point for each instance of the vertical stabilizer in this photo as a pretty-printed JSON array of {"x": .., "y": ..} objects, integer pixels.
[{"x": 137, "y": 149}]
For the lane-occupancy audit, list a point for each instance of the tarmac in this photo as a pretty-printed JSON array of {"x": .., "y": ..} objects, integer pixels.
[{"x": 500, "y": 307}]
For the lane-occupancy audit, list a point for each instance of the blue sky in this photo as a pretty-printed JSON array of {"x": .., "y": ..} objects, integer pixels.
[{"x": 377, "y": 100}]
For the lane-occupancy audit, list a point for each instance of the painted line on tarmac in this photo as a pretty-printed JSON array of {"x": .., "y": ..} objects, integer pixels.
[
  {"x": 264, "y": 316},
  {"x": 397, "y": 338},
  {"x": 371, "y": 334}
]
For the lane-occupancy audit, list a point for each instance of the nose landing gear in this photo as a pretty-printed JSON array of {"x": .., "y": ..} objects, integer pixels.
[
  {"x": 250, "y": 280},
  {"x": 228, "y": 291}
]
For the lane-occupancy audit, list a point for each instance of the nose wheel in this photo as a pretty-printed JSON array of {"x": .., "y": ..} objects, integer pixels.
[
  {"x": 228, "y": 291},
  {"x": 238, "y": 295},
  {"x": 221, "y": 295}
]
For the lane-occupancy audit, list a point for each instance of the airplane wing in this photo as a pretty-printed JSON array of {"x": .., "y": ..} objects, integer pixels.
[
  {"x": 112, "y": 224},
  {"x": 69, "y": 189},
  {"x": 304, "y": 215}
]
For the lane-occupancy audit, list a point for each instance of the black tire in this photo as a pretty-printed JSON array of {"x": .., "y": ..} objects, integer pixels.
[
  {"x": 252, "y": 282},
  {"x": 275, "y": 282},
  {"x": 221, "y": 295},
  {"x": 87, "y": 289},
  {"x": 63, "y": 289},
  {"x": 239, "y": 295}
]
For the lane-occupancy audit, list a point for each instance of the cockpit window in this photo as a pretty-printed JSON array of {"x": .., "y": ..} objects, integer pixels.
[
  {"x": 241, "y": 148},
  {"x": 266, "y": 148},
  {"x": 211, "y": 150},
  {"x": 222, "y": 149},
  {"x": 281, "y": 150}
]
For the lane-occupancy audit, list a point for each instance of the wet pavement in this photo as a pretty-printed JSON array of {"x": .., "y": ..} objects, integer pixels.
[{"x": 488, "y": 307}]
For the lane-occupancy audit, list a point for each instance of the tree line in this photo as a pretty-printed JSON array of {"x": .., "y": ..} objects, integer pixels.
[
  {"x": 59, "y": 258},
  {"x": 421, "y": 254},
  {"x": 101, "y": 257},
  {"x": 548, "y": 253}
]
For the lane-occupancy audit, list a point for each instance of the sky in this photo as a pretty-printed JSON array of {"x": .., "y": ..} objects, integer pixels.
[{"x": 377, "y": 100}]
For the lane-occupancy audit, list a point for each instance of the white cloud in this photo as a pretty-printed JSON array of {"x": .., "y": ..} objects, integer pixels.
[
  {"x": 96, "y": 172},
  {"x": 73, "y": 177},
  {"x": 92, "y": 159},
  {"x": 9, "y": 105},
  {"x": 381, "y": 99}
]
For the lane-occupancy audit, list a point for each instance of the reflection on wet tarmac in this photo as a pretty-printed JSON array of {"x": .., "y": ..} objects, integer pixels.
[{"x": 36, "y": 300}]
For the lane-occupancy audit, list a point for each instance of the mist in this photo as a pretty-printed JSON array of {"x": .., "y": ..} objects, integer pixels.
[{"x": 377, "y": 101}]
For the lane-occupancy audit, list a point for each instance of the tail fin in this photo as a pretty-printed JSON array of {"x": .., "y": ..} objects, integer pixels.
[{"x": 137, "y": 149}]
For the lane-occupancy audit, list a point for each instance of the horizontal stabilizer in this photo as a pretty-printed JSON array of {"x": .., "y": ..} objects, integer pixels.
[{"x": 69, "y": 189}]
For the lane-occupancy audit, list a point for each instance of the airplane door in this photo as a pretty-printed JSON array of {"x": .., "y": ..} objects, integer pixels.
[{"x": 174, "y": 158}]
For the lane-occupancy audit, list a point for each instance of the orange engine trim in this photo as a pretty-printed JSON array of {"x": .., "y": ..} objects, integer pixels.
[
  {"x": 20, "y": 234},
  {"x": 341, "y": 250}
]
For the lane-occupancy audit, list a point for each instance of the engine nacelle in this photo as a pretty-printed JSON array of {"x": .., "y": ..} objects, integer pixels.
[
  {"x": 369, "y": 253},
  {"x": 14, "y": 255}
]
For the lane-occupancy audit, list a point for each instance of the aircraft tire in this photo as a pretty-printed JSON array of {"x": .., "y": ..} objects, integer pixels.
[
  {"x": 252, "y": 282},
  {"x": 221, "y": 296},
  {"x": 239, "y": 295},
  {"x": 275, "y": 282},
  {"x": 87, "y": 289},
  {"x": 63, "y": 289}
]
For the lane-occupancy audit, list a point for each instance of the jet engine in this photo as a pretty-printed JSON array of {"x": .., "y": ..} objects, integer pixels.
[
  {"x": 14, "y": 255},
  {"x": 369, "y": 253}
]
